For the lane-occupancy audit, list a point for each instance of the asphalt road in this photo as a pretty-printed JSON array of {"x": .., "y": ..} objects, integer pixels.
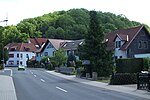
[{"x": 40, "y": 85}]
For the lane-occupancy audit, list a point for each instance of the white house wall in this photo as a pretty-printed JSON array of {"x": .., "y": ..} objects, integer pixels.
[
  {"x": 23, "y": 59},
  {"x": 142, "y": 55},
  {"x": 119, "y": 53}
]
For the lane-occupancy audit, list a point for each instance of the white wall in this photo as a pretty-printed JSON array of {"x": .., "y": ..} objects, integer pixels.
[
  {"x": 119, "y": 52},
  {"x": 142, "y": 55},
  {"x": 23, "y": 59}
]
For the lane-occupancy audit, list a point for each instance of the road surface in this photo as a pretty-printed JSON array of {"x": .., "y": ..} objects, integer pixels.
[{"x": 36, "y": 84}]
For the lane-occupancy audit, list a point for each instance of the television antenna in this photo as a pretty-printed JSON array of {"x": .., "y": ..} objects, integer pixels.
[{"x": 5, "y": 20}]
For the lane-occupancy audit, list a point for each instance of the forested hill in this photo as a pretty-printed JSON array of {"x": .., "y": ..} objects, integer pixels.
[{"x": 71, "y": 24}]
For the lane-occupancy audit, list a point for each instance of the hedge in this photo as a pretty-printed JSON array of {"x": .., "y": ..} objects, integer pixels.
[
  {"x": 123, "y": 78},
  {"x": 129, "y": 65}
]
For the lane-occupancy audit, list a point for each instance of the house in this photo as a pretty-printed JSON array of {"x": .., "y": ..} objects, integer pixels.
[
  {"x": 70, "y": 46},
  {"x": 129, "y": 43},
  {"x": 49, "y": 48},
  {"x": 19, "y": 53}
]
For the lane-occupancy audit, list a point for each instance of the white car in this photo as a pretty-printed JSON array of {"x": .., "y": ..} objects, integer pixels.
[{"x": 21, "y": 67}]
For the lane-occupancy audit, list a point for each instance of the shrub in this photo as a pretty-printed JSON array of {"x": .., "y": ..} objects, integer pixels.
[
  {"x": 123, "y": 78},
  {"x": 146, "y": 63},
  {"x": 67, "y": 70},
  {"x": 49, "y": 67},
  {"x": 129, "y": 65},
  {"x": 1, "y": 67},
  {"x": 78, "y": 63}
]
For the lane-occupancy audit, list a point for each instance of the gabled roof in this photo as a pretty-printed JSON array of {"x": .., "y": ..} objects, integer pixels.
[
  {"x": 125, "y": 34},
  {"x": 56, "y": 43},
  {"x": 38, "y": 41},
  {"x": 24, "y": 47},
  {"x": 73, "y": 45}
]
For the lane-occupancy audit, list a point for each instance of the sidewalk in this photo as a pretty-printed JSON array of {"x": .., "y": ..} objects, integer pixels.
[
  {"x": 7, "y": 90},
  {"x": 129, "y": 89}
]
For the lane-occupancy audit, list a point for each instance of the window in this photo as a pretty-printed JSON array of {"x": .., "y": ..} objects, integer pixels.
[
  {"x": 116, "y": 57},
  {"x": 27, "y": 56},
  {"x": 21, "y": 55},
  {"x": 13, "y": 49},
  {"x": 20, "y": 62},
  {"x": 140, "y": 44},
  {"x": 17, "y": 62},
  {"x": 11, "y": 62},
  {"x": 145, "y": 43},
  {"x": 53, "y": 53},
  {"x": 45, "y": 53},
  {"x": 118, "y": 44},
  {"x": 49, "y": 46},
  {"x": 17, "y": 55},
  {"x": 37, "y": 54},
  {"x": 11, "y": 55}
]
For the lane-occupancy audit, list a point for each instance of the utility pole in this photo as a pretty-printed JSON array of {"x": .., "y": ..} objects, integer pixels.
[{"x": 6, "y": 20}]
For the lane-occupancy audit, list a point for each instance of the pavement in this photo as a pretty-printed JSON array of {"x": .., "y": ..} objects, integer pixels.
[
  {"x": 129, "y": 89},
  {"x": 7, "y": 90}
]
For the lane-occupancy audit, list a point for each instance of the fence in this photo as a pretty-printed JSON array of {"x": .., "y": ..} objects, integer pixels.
[{"x": 143, "y": 81}]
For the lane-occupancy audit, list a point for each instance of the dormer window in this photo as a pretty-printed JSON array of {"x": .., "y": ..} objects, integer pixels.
[
  {"x": 13, "y": 49},
  {"x": 118, "y": 44},
  {"x": 26, "y": 49}
]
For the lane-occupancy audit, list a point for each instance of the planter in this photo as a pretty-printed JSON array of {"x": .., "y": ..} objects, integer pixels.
[{"x": 94, "y": 76}]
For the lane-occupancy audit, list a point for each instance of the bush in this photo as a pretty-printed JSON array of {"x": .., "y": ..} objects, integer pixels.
[
  {"x": 78, "y": 63},
  {"x": 129, "y": 65},
  {"x": 67, "y": 70},
  {"x": 146, "y": 63},
  {"x": 80, "y": 71},
  {"x": 123, "y": 78},
  {"x": 1, "y": 66},
  {"x": 49, "y": 67}
]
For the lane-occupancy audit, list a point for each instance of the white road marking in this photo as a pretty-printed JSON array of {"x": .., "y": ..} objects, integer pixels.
[
  {"x": 31, "y": 72},
  {"x": 42, "y": 80},
  {"x": 34, "y": 75},
  {"x": 61, "y": 89},
  {"x": 11, "y": 72}
]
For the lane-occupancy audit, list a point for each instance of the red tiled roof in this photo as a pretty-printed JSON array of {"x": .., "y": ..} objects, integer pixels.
[
  {"x": 130, "y": 32},
  {"x": 28, "y": 47},
  {"x": 38, "y": 41}
]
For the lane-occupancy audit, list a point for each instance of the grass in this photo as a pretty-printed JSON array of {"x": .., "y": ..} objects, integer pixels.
[{"x": 104, "y": 81}]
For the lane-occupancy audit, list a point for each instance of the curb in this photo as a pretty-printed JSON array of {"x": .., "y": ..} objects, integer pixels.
[{"x": 118, "y": 88}]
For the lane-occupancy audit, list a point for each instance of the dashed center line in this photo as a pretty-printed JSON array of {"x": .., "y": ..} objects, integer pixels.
[
  {"x": 42, "y": 80},
  {"x": 31, "y": 72},
  {"x": 61, "y": 89}
]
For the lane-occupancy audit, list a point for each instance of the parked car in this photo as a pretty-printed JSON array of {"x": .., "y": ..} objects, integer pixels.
[{"x": 21, "y": 67}]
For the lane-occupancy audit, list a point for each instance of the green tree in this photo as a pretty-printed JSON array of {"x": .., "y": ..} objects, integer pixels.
[
  {"x": 12, "y": 34},
  {"x": 59, "y": 58},
  {"x": 94, "y": 48},
  {"x": 51, "y": 32},
  {"x": 28, "y": 28}
]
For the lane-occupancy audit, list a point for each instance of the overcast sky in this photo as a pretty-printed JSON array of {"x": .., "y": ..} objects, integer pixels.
[{"x": 17, "y": 10}]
